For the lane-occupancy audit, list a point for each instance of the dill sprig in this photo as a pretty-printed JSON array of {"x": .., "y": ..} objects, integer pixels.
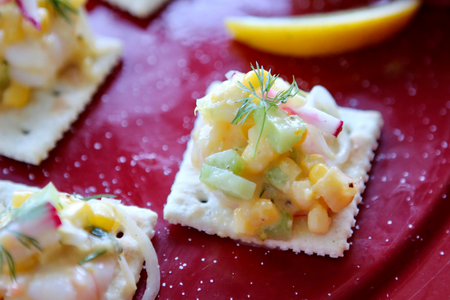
[
  {"x": 25, "y": 240},
  {"x": 63, "y": 8},
  {"x": 263, "y": 100},
  {"x": 78, "y": 196},
  {"x": 5, "y": 255},
  {"x": 92, "y": 256}
]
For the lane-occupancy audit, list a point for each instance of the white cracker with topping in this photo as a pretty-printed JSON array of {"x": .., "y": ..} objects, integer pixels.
[
  {"x": 138, "y": 8},
  {"x": 145, "y": 219},
  {"x": 186, "y": 203},
  {"x": 29, "y": 133}
]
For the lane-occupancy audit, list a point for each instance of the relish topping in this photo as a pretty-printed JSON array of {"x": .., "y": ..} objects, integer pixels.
[
  {"x": 267, "y": 146},
  {"x": 39, "y": 41}
]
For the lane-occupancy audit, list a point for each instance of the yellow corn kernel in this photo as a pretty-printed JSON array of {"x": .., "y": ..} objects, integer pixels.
[
  {"x": 16, "y": 95},
  {"x": 104, "y": 216},
  {"x": 252, "y": 78},
  {"x": 11, "y": 24},
  {"x": 336, "y": 188},
  {"x": 19, "y": 197},
  {"x": 318, "y": 220},
  {"x": 79, "y": 214},
  {"x": 311, "y": 160},
  {"x": 303, "y": 195},
  {"x": 317, "y": 172}
]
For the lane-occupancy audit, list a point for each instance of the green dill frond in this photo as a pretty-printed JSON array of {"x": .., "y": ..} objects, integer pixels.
[
  {"x": 78, "y": 196},
  {"x": 92, "y": 256},
  {"x": 248, "y": 106},
  {"x": 25, "y": 240},
  {"x": 5, "y": 255},
  {"x": 63, "y": 8}
]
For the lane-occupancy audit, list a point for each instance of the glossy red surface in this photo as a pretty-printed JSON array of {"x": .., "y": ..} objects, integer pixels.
[{"x": 131, "y": 138}]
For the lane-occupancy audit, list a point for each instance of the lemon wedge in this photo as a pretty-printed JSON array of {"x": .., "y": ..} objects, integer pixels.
[{"x": 325, "y": 33}]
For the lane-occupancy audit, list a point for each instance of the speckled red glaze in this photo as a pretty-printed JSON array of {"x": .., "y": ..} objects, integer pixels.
[{"x": 131, "y": 138}]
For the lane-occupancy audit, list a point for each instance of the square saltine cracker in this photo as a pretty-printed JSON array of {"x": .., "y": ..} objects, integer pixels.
[
  {"x": 186, "y": 203},
  {"x": 145, "y": 219},
  {"x": 29, "y": 133}
]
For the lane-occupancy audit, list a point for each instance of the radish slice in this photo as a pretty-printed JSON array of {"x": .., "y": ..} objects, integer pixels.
[
  {"x": 29, "y": 11},
  {"x": 320, "y": 98},
  {"x": 230, "y": 74},
  {"x": 36, "y": 221},
  {"x": 317, "y": 118},
  {"x": 344, "y": 147}
]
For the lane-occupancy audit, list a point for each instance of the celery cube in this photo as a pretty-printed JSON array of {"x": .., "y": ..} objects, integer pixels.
[
  {"x": 226, "y": 181},
  {"x": 227, "y": 160},
  {"x": 282, "y": 131}
]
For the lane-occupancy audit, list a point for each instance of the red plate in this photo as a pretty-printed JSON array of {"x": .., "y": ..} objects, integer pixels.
[{"x": 131, "y": 138}]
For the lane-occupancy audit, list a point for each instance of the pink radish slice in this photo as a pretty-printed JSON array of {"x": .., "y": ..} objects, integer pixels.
[
  {"x": 270, "y": 94},
  {"x": 43, "y": 218},
  {"x": 29, "y": 11},
  {"x": 317, "y": 118},
  {"x": 230, "y": 74}
]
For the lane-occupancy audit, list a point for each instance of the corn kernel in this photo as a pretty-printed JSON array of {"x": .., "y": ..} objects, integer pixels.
[
  {"x": 16, "y": 95},
  {"x": 318, "y": 220},
  {"x": 303, "y": 195},
  {"x": 337, "y": 189},
  {"x": 252, "y": 78},
  {"x": 317, "y": 172},
  {"x": 79, "y": 214},
  {"x": 19, "y": 197},
  {"x": 311, "y": 160},
  {"x": 11, "y": 24},
  {"x": 104, "y": 216}
]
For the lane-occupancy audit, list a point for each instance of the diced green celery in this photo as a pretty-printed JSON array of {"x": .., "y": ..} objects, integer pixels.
[
  {"x": 284, "y": 170},
  {"x": 282, "y": 131},
  {"x": 280, "y": 231},
  {"x": 226, "y": 181},
  {"x": 277, "y": 177},
  {"x": 227, "y": 160}
]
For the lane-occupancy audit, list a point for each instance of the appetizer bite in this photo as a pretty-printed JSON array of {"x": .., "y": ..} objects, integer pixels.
[
  {"x": 59, "y": 246},
  {"x": 272, "y": 165},
  {"x": 50, "y": 67},
  {"x": 138, "y": 8}
]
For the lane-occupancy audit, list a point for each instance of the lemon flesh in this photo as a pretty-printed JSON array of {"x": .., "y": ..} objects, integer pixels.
[{"x": 325, "y": 33}]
